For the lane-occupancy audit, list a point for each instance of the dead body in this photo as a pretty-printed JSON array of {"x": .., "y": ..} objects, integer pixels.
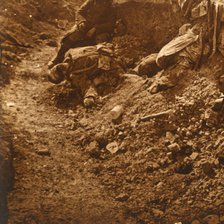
[
  {"x": 87, "y": 67},
  {"x": 96, "y": 22},
  {"x": 185, "y": 52}
]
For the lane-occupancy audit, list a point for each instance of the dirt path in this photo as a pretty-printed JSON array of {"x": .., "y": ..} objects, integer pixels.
[{"x": 53, "y": 188}]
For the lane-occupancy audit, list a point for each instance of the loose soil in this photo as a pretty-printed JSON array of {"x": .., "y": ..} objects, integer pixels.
[{"x": 65, "y": 174}]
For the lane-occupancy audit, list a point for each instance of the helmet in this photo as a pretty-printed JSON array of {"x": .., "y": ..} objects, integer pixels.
[{"x": 57, "y": 73}]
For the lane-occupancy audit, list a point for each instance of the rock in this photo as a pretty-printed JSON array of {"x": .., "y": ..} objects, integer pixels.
[
  {"x": 184, "y": 167},
  {"x": 195, "y": 222},
  {"x": 89, "y": 102},
  {"x": 174, "y": 148},
  {"x": 218, "y": 105},
  {"x": 161, "y": 84},
  {"x": 93, "y": 149},
  {"x": 220, "y": 154},
  {"x": 44, "y": 36},
  {"x": 122, "y": 197},
  {"x": 210, "y": 117},
  {"x": 157, "y": 212},
  {"x": 152, "y": 167},
  {"x": 62, "y": 24},
  {"x": 222, "y": 219},
  {"x": 221, "y": 82},
  {"x": 170, "y": 137},
  {"x": 101, "y": 139},
  {"x": 10, "y": 104},
  {"x": 43, "y": 152},
  {"x": 208, "y": 168},
  {"x": 212, "y": 219},
  {"x": 194, "y": 155},
  {"x": 112, "y": 147}
]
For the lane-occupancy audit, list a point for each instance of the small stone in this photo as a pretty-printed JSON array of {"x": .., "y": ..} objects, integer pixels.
[
  {"x": 122, "y": 197},
  {"x": 222, "y": 219},
  {"x": 10, "y": 104},
  {"x": 170, "y": 137},
  {"x": 152, "y": 167},
  {"x": 157, "y": 212},
  {"x": 112, "y": 147},
  {"x": 210, "y": 117},
  {"x": 184, "y": 167},
  {"x": 101, "y": 139},
  {"x": 93, "y": 150},
  {"x": 43, "y": 152},
  {"x": 212, "y": 219},
  {"x": 195, "y": 222},
  {"x": 174, "y": 147},
  {"x": 208, "y": 168},
  {"x": 220, "y": 154},
  {"x": 170, "y": 155},
  {"x": 217, "y": 105},
  {"x": 194, "y": 155}
]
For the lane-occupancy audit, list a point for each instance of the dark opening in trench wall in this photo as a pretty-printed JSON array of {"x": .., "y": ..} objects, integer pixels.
[{"x": 151, "y": 24}]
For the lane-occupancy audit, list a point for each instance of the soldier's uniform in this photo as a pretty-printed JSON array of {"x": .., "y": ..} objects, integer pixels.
[
  {"x": 93, "y": 14},
  {"x": 87, "y": 67}
]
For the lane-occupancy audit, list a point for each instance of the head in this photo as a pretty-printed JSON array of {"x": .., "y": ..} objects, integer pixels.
[
  {"x": 120, "y": 28},
  {"x": 58, "y": 73}
]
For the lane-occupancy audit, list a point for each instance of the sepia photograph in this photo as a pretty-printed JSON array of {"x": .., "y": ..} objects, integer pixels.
[{"x": 111, "y": 111}]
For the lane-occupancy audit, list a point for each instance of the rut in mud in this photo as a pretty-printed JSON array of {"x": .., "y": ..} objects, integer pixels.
[{"x": 55, "y": 188}]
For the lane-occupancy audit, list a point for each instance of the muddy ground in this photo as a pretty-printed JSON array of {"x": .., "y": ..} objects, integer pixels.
[{"x": 166, "y": 170}]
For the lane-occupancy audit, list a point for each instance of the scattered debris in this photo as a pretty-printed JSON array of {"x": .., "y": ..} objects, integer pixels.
[{"x": 161, "y": 114}]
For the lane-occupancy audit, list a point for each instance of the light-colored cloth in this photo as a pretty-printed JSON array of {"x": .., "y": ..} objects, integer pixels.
[{"x": 175, "y": 46}]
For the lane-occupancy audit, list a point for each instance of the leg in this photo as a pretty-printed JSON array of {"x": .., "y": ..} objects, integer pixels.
[
  {"x": 88, "y": 90},
  {"x": 89, "y": 96},
  {"x": 64, "y": 47}
]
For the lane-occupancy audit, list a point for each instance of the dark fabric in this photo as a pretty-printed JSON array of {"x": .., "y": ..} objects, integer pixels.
[
  {"x": 148, "y": 66},
  {"x": 98, "y": 14},
  {"x": 93, "y": 11}
]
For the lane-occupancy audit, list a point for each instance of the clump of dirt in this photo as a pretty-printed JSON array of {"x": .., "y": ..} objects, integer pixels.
[{"x": 166, "y": 169}]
